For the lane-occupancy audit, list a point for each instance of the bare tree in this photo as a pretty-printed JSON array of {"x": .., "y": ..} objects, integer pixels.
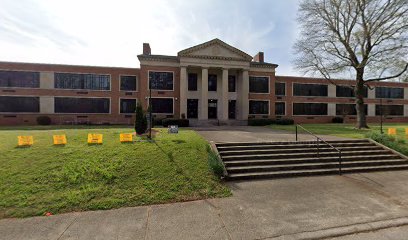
[{"x": 366, "y": 39}]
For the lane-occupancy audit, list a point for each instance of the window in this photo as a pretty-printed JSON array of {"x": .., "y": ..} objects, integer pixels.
[
  {"x": 212, "y": 82},
  {"x": 161, "y": 80},
  {"x": 280, "y": 89},
  {"x": 309, "y": 90},
  {"x": 386, "y": 92},
  {"x": 82, "y": 81},
  {"x": 389, "y": 110},
  {"x": 127, "y": 105},
  {"x": 280, "y": 108},
  {"x": 258, "y": 107},
  {"x": 162, "y": 105},
  {"x": 19, "y": 104},
  {"x": 128, "y": 83},
  {"x": 231, "y": 83},
  {"x": 348, "y": 91},
  {"x": 192, "y": 82},
  {"x": 348, "y": 109},
  {"x": 81, "y": 105},
  {"x": 19, "y": 79},
  {"x": 309, "y": 108},
  {"x": 258, "y": 84}
]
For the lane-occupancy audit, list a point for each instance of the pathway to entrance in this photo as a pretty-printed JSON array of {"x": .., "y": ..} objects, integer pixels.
[{"x": 254, "y": 134}]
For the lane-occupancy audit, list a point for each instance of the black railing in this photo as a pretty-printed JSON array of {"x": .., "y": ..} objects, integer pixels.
[{"x": 319, "y": 142}]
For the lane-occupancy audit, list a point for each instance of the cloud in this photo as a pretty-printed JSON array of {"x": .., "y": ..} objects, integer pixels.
[{"x": 111, "y": 33}]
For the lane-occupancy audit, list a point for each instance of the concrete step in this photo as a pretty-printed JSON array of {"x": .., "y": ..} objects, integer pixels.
[
  {"x": 321, "y": 149},
  {"x": 309, "y": 160},
  {"x": 308, "y": 166},
  {"x": 221, "y": 144},
  {"x": 291, "y": 146},
  {"x": 312, "y": 172},
  {"x": 303, "y": 155}
]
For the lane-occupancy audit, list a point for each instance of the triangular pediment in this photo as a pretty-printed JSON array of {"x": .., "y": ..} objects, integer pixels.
[{"x": 215, "y": 49}]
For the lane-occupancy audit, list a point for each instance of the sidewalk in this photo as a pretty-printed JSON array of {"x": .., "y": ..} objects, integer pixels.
[{"x": 280, "y": 208}]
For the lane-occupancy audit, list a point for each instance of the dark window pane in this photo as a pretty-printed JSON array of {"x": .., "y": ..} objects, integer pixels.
[
  {"x": 348, "y": 109},
  {"x": 161, "y": 80},
  {"x": 212, "y": 82},
  {"x": 19, "y": 79},
  {"x": 386, "y": 92},
  {"x": 127, "y": 105},
  {"x": 309, "y": 108},
  {"x": 346, "y": 91},
  {"x": 231, "y": 83},
  {"x": 128, "y": 83},
  {"x": 162, "y": 105},
  {"x": 309, "y": 89},
  {"x": 19, "y": 104},
  {"x": 258, "y": 84},
  {"x": 258, "y": 107},
  {"x": 82, "y": 81},
  {"x": 192, "y": 82},
  {"x": 280, "y": 108},
  {"x": 81, "y": 105},
  {"x": 389, "y": 110},
  {"x": 280, "y": 89}
]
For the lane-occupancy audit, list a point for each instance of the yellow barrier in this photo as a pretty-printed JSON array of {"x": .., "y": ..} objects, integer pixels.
[
  {"x": 59, "y": 139},
  {"x": 126, "y": 137},
  {"x": 95, "y": 138},
  {"x": 25, "y": 141},
  {"x": 392, "y": 131},
  {"x": 406, "y": 131}
]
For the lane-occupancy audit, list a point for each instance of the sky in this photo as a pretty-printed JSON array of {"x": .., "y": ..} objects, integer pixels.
[{"x": 111, "y": 33}]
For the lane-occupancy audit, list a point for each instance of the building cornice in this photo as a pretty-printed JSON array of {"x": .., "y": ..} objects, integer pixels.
[
  {"x": 160, "y": 58},
  {"x": 263, "y": 65}
]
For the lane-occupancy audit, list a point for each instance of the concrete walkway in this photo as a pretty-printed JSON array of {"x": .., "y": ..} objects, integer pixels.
[
  {"x": 254, "y": 134},
  {"x": 296, "y": 208}
]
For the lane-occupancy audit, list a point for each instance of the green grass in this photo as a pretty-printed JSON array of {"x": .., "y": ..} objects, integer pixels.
[{"x": 76, "y": 177}]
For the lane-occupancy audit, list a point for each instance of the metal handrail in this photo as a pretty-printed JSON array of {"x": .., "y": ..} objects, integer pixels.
[{"x": 317, "y": 140}]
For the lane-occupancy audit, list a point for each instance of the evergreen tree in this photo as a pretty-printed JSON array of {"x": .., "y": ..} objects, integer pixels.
[{"x": 141, "y": 121}]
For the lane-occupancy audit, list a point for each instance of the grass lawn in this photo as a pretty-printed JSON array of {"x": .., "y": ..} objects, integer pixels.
[
  {"x": 46, "y": 178},
  {"x": 346, "y": 130}
]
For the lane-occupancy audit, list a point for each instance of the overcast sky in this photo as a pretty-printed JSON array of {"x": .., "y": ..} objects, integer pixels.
[{"x": 111, "y": 33}]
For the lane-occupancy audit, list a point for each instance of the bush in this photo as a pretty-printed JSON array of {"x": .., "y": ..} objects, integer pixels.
[
  {"x": 337, "y": 120},
  {"x": 260, "y": 122},
  {"x": 43, "y": 120},
  {"x": 389, "y": 141},
  {"x": 215, "y": 163},
  {"x": 157, "y": 122},
  {"x": 173, "y": 121},
  {"x": 141, "y": 120},
  {"x": 285, "y": 121}
]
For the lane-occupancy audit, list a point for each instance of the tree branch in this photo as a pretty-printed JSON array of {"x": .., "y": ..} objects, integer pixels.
[{"x": 389, "y": 77}]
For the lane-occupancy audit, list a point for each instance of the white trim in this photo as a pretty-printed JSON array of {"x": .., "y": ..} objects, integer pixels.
[
  {"x": 110, "y": 105},
  {"x": 82, "y": 89},
  {"x": 327, "y": 104},
  {"x": 163, "y": 113},
  {"x": 158, "y": 90},
  {"x": 375, "y": 109},
  {"x": 23, "y": 113},
  {"x": 137, "y": 83},
  {"x": 260, "y": 114},
  {"x": 284, "y": 102},
  {"x": 286, "y": 89},
  {"x": 120, "y": 98},
  {"x": 269, "y": 84},
  {"x": 293, "y": 92},
  {"x": 375, "y": 93}
]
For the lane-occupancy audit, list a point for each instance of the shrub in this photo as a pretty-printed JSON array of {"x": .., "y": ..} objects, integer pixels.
[
  {"x": 215, "y": 163},
  {"x": 337, "y": 120},
  {"x": 157, "y": 122},
  {"x": 260, "y": 122},
  {"x": 285, "y": 121},
  {"x": 389, "y": 141},
  {"x": 173, "y": 121},
  {"x": 43, "y": 120},
  {"x": 141, "y": 120}
]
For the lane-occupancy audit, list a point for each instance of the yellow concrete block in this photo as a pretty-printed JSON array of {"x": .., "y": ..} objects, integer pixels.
[
  {"x": 126, "y": 137},
  {"x": 392, "y": 131},
  {"x": 25, "y": 140},
  {"x": 59, "y": 139},
  {"x": 94, "y": 138}
]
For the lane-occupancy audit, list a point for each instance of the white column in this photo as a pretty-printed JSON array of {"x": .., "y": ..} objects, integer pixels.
[
  {"x": 331, "y": 109},
  {"x": 371, "y": 93},
  {"x": 183, "y": 91},
  {"x": 243, "y": 96},
  {"x": 46, "y": 104},
  {"x": 371, "y": 110},
  {"x": 332, "y": 90},
  {"x": 46, "y": 80},
  {"x": 204, "y": 95},
  {"x": 224, "y": 95}
]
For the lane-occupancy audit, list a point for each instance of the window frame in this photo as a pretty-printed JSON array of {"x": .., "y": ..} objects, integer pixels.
[
  {"x": 284, "y": 103},
  {"x": 260, "y": 114},
  {"x": 216, "y": 83},
  {"x": 120, "y": 105},
  {"x": 188, "y": 82},
  {"x": 353, "y": 104},
  {"x": 309, "y": 96},
  {"x": 11, "y": 70},
  {"x": 84, "y": 89},
  {"x": 235, "y": 83},
  {"x": 311, "y": 115},
  {"x": 120, "y": 83},
  {"x": 148, "y": 102},
  {"x": 110, "y": 106},
  {"x": 286, "y": 89},
  {"x": 269, "y": 84},
  {"x": 161, "y": 90},
  {"x": 401, "y": 98},
  {"x": 389, "y": 115},
  {"x": 18, "y": 113}
]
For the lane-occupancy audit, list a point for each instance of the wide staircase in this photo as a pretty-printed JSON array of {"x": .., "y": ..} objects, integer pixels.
[{"x": 287, "y": 159}]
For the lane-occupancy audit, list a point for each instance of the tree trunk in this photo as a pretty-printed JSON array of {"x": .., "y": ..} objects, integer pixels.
[{"x": 359, "y": 92}]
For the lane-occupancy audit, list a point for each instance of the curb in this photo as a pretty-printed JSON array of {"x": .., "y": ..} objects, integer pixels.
[{"x": 344, "y": 230}]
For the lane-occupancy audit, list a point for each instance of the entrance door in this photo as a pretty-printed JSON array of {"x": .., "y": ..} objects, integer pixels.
[
  {"x": 231, "y": 109},
  {"x": 212, "y": 109},
  {"x": 192, "y": 108}
]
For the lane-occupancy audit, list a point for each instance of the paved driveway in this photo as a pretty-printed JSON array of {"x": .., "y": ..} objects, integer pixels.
[
  {"x": 253, "y": 134},
  {"x": 269, "y": 209}
]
